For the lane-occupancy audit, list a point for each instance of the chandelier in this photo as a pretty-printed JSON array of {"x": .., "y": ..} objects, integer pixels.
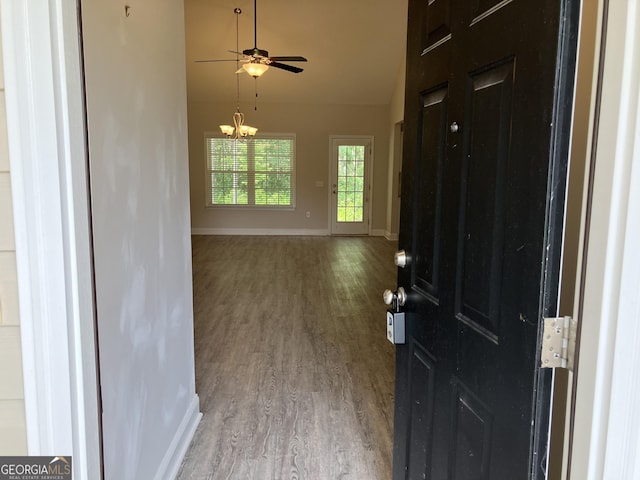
[{"x": 239, "y": 130}]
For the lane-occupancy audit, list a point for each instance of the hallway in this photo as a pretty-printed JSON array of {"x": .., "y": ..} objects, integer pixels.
[{"x": 294, "y": 373}]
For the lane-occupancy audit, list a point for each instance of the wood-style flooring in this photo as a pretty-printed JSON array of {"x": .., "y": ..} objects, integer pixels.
[{"x": 293, "y": 369}]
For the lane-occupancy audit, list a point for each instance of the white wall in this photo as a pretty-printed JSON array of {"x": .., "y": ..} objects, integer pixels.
[
  {"x": 606, "y": 438},
  {"x": 137, "y": 129}
]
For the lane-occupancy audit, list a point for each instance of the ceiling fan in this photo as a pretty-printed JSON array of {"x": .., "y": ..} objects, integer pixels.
[{"x": 257, "y": 61}]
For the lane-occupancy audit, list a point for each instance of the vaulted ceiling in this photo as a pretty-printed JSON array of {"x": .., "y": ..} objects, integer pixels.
[{"x": 354, "y": 49}]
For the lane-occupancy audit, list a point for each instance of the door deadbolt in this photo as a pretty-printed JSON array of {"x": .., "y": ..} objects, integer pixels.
[{"x": 400, "y": 258}]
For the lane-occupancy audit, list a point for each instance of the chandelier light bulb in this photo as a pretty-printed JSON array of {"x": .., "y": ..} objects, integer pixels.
[{"x": 227, "y": 130}]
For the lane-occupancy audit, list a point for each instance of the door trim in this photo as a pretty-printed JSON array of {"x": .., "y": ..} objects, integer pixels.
[
  {"x": 394, "y": 182},
  {"x": 605, "y": 415},
  {"x": 369, "y": 177},
  {"x": 46, "y": 136}
]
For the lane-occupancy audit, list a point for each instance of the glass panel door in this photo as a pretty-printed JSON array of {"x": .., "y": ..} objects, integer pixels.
[{"x": 350, "y": 186}]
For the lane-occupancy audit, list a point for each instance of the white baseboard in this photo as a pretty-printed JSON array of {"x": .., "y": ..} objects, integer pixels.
[
  {"x": 391, "y": 236},
  {"x": 170, "y": 464},
  {"x": 261, "y": 231},
  {"x": 281, "y": 232}
]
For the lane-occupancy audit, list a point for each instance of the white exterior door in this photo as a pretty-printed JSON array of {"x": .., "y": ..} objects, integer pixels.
[{"x": 350, "y": 185}]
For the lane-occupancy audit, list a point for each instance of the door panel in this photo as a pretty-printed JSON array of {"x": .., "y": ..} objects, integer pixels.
[
  {"x": 484, "y": 133},
  {"x": 481, "y": 224},
  {"x": 437, "y": 23},
  {"x": 422, "y": 400},
  {"x": 483, "y": 8},
  {"x": 429, "y": 180},
  {"x": 471, "y": 436}
]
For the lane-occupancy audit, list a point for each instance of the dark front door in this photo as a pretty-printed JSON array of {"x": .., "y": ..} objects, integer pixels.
[{"x": 487, "y": 118}]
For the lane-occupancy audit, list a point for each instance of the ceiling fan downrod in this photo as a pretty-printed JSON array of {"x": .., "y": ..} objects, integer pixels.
[{"x": 256, "y": 52}]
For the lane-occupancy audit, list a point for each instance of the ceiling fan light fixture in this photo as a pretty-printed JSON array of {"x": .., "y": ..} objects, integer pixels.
[{"x": 255, "y": 69}]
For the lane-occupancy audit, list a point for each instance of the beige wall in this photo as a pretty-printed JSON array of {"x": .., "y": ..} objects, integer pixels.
[
  {"x": 312, "y": 124},
  {"x": 396, "y": 117},
  {"x": 13, "y": 433},
  {"x": 396, "y": 109}
]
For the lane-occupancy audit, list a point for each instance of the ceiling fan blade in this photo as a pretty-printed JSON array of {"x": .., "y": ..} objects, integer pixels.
[
  {"x": 288, "y": 68},
  {"x": 288, "y": 59},
  {"x": 219, "y": 60}
]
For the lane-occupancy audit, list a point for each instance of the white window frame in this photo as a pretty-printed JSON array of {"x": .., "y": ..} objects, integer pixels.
[{"x": 250, "y": 205}]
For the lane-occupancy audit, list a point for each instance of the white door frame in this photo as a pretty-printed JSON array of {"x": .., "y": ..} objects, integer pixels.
[
  {"x": 606, "y": 428},
  {"x": 46, "y": 135},
  {"x": 48, "y": 174},
  {"x": 333, "y": 139}
]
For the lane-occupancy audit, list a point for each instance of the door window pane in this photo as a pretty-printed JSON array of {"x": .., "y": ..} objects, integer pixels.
[{"x": 350, "y": 183}]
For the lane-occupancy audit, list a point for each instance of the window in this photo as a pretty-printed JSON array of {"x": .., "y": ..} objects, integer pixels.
[{"x": 256, "y": 173}]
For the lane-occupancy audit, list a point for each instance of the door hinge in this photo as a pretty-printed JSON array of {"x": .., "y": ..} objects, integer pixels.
[{"x": 559, "y": 343}]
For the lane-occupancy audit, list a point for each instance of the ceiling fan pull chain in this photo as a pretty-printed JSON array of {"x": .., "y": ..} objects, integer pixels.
[{"x": 255, "y": 101}]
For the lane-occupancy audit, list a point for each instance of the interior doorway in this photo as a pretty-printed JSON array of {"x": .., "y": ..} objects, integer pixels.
[{"x": 49, "y": 273}]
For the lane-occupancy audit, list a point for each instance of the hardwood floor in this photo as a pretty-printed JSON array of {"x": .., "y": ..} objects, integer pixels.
[{"x": 293, "y": 368}]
